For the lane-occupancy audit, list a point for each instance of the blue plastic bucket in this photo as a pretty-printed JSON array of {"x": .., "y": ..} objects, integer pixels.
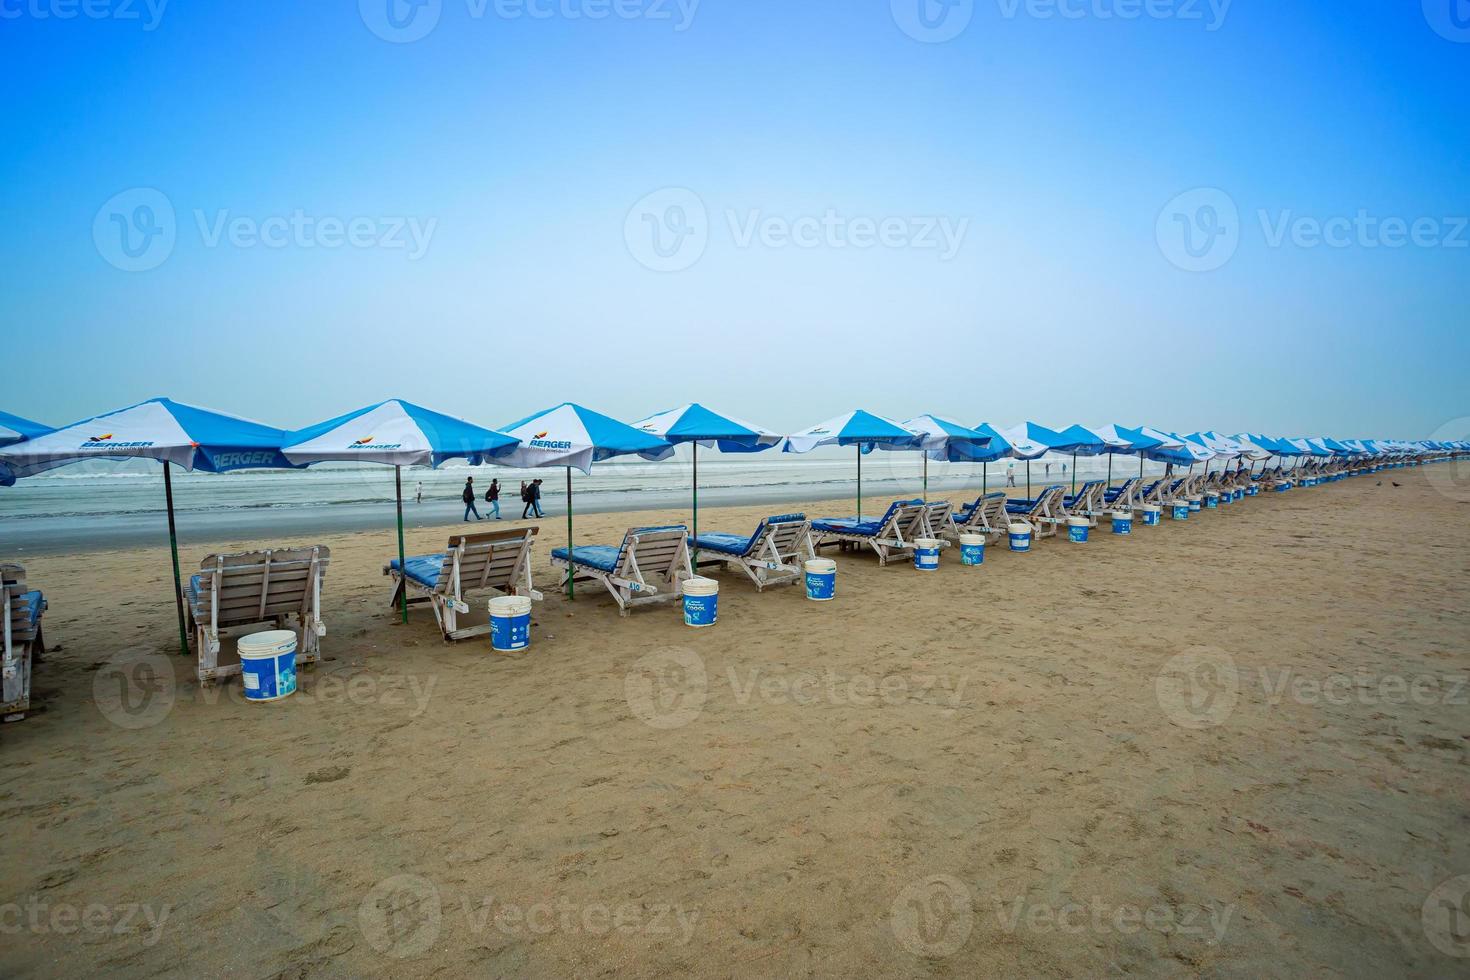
[
  {"x": 1153, "y": 514},
  {"x": 1252, "y": 491},
  {"x": 1077, "y": 528},
  {"x": 1179, "y": 510},
  {"x": 701, "y": 601},
  {"x": 268, "y": 664},
  {"x": 1122, "y": 522},
  {"x": 1020, "y": 537},
  {"x": 1212, "y": 501},
  {"x": 926, "y": 554},
  {"x": 972, "y": 549},
  {"x": 821, "y": 579},
  {"x": 510, "y": 622}
]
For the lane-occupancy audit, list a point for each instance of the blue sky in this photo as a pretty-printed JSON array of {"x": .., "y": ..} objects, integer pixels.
[{"x": 536, "y": 156}]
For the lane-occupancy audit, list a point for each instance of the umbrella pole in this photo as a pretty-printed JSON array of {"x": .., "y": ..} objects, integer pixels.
[
  {"x": 1028, "y": 480},
  {"x": 173, "y": 545},
  {"x": 1074, "y": 474},
  {"x": 926, "y": 475},
  {"x": 984, "y": 477},
  {"x": 695, "y": 446},
  {"x": 402, "y": 562},
  {"x": 860, "y": 483},
  {"x": 1110, "y": 471},
  {"x": 571, "y": 585}
]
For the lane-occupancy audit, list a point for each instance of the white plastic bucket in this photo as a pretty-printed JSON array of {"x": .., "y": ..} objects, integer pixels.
[
  {"x": 1195, "y": 505},
  {"x": 268, "y": 664},
  {"x": 1152, "y": 515},
  {"x": 701, "y": 601},
  {"x": 1077, "y": 529},
  {"x": 926, "y": 554},
  {"x": 972, "y": 549},
  {"x": 1122, "y": 521},
  {"x": 821, "y": 579},
  {"x": 510, "y": 622},
  {"x": 1020, "y": 536}
]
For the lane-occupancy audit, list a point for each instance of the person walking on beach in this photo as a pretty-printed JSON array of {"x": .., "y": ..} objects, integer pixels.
[
  {"x": 1048, "y": 470},
  {"x": 492, "y": 497},
  {"x": 536, "y": 497},
  {"x": 418, "y": 494},
  {"x": 1010, "y": 474},
  {"x": 525, "y": 499},
  {"x": 469, "y": 499}
]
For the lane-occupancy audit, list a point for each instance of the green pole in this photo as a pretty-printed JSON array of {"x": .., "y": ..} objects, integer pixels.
[
  {"x": 1028, "y": 480},
  {"x": 1074, "y": 474},
  {"x": 1110, "y": 471},
  {"x": 695, "y": 446},
  {"x": 402, "y": 562},
  {"x": 571, "y": 585},
  {"x": 926, "y": 475},
  {"x": 173, "y": 545},
  {"x": 859, "y": 447},
  {"x": 984, "y": 477}
]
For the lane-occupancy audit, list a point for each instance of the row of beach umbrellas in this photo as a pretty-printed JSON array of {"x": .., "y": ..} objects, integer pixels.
[{"x": 398, "y": 433}]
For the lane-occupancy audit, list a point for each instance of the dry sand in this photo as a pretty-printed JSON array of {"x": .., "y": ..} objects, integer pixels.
[{"x": 1235, "y": 746}]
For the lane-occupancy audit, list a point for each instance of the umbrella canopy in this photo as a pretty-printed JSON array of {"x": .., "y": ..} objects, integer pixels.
[
  {"x": 1177, "y": 449},
  {"x": 945, "y": 440},
  {"x": 162, "y": 429},
  {"x": 397, "y": 433},
  {"x": 573, "y": 436},
  {"x": 1221, "y": 446},
  {"x": 1020, "y": 441},
  {"x": 856, "y": 428},
  {"x": 15, "y": 429},
  {"x": 1082, "y": 441},
  {"x": 1253, "y": 447},
  {"x": 703, "y": 427}
]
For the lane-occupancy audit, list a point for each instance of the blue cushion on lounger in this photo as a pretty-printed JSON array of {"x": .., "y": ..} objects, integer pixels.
[
  {"x": 735, "y": 544},
  {"x": 601, "y": 556},
  {"x": 423, "y": 569},
  {"x": 34, "y": 605},
  {"x": 848, "y": 525}
]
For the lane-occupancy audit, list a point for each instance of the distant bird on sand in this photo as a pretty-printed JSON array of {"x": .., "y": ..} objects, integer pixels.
[
  {"x": 1378, "y": 484},
  {"x": 1395, "y": 484}
]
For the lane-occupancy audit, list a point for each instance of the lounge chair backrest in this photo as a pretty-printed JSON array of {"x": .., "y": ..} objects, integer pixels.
[
  {"x": 784, "y": 533},
  {"x": 654, "y": 550},
  {"x": 490, "y": 560},
  {"x": 18, "y": 625},
  {"x": 939, "y": 517},
  {"x": 255, "y": 585}
]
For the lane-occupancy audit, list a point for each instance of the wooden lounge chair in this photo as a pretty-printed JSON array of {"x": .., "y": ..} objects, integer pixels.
[
  {"x": 276, "y": 588},
  {"x": 1087, "y": 502},
  {"x": 646, "y": 568},
  {"x": 1043, "y": 513},
  {"x": 773, "y": 555},
  {"x": 987, "y": 515},
  {"x": 1122, "y": 497},
  {"x": 20, "y": 632},
  {"x": 498, "y": 562},
  {"x": 891, "y": 535},
  {"x": 939, "y": 522}
]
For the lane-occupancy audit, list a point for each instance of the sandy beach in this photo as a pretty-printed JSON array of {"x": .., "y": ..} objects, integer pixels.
[{"x": 1231, "y": 747}]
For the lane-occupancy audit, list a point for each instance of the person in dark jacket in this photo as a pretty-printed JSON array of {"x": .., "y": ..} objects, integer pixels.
[
  {"x": 492, "y": 497},
  {"x": 528, "y": 497},
  {"x": 536, "y": 497},
  {"x": 468, "y": 496}
]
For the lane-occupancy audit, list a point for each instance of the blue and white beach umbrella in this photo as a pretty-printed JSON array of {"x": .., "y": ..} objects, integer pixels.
[
  {"x": 1031, "y": 440},
  {"x": 15, "y": 429},
  {"x": 575, "y": 437},
  {"x": 858, "y": 428},
  {"x": 946, "y": 441},
  {"x": 162, "y": 429},
  {"x": 699, "y": 426},
  {"x": 395, "y": 433}
]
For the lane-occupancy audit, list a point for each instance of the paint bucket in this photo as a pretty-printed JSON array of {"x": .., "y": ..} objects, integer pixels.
[
  {"x": 1020, "y": 535},
  {"x": 1195, "y": 504},
  {"x": 1077, "y": 528},
  {"x": 1153, "y": 514},
  {"x": 701, "y": 601},
  {"x": 821, "y": 579},
  {"x": 1282, "y": 487},
  {"x": 1253, "y": 490},
  {"x": 268, "y": 664},
  {"x": 1122, "y": 521},
  {"x": 972, "y": 549},
  {"x": 1179, "y": 510},
  {"x": 926, "y": 554},
  {"x": 1212, "y": 501},
  {"x": 510, "y": 622}
]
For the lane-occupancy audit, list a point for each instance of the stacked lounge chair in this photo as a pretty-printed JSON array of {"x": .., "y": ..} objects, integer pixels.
[
  {"x": 276, "y": 589},
  {"x": 1043, "y": 513},
  {"x": 986, "y": 515},
  {"x": 497, "y": 562},
  {"x": 21, "y": 643}
]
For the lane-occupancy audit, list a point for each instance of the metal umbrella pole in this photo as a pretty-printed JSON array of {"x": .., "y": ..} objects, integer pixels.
[
  {"x": 402, "y": 562},
  {"x": 571, "y": 583},
  {"x": 173, "y": 545}
]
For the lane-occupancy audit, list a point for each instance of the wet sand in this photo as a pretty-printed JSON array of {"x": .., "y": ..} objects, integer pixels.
[{"x": 1230, "y": 747}]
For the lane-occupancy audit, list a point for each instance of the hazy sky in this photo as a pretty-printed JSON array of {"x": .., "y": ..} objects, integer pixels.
[{"x": 781, "y": 208}]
